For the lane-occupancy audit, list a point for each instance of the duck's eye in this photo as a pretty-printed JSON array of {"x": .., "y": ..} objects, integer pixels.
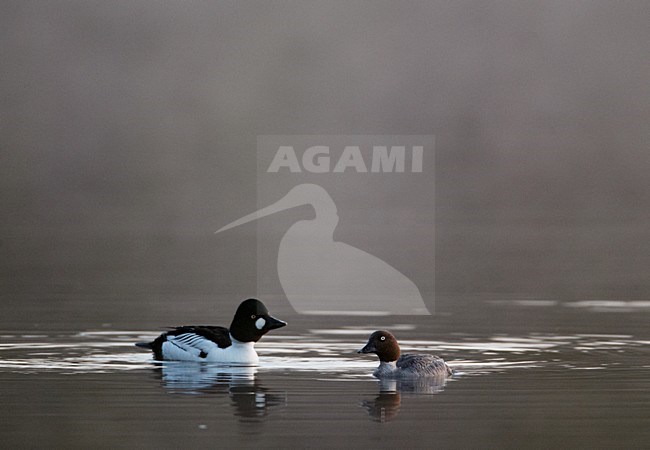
[
  {"x": 383, "y": 338},
  {"x": 253, "y": 316}
]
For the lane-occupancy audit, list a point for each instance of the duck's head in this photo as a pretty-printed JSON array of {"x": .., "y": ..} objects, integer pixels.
[
  {"x": 252, "y": 321},
  {"x": 383, "y": 344}
]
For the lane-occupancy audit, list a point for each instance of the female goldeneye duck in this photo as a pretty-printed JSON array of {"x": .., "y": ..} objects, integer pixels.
[
  {"x": 234, "y": 345},
  {"x": 392, "y": 365}
]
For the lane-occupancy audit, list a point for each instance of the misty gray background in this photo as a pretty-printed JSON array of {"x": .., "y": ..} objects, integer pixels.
[{"x": 128, "y": 136}]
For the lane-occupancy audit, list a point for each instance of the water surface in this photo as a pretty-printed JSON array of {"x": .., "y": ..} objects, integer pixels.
[{"x": 528, "y": 373}]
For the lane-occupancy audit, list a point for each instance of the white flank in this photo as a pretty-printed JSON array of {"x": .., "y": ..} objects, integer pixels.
[{"x": 188, "y": 347}]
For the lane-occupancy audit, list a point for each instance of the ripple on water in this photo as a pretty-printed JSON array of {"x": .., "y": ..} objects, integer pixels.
[
  {"x": 104, "y": 351},
  {"x": 611, "y": 305}
]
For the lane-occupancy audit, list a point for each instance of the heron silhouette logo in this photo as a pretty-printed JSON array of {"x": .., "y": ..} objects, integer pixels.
[{"x": 319, "y": 274}]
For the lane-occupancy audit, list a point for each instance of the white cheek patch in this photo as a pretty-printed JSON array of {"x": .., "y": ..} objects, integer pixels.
[{"x": 259, "y": 323}]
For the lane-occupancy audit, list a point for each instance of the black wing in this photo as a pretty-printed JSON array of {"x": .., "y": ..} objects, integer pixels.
[
  {"x": 218, "y": 335},
  {"x": 192, "y": 335}
]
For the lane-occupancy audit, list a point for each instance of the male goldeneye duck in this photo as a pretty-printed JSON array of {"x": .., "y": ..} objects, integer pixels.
[
  {"x": 392, "y": 365},
  {"x": 234, "y": 345}
]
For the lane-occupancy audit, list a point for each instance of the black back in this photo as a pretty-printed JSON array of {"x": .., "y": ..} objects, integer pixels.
[{"x": 218, "y": 335}]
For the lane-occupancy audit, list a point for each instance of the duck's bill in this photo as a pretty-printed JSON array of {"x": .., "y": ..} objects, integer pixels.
[
  {"x": 272, "y": 323},
  {"x": 369, "y": 348}
]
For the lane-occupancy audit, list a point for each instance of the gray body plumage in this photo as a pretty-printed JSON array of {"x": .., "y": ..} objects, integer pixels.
[{"x": 410, "y": 366}]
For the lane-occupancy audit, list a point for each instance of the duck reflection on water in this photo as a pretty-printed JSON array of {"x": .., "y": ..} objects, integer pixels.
[
  {"x": 386, "y": 405},
  {"x": 249, "y": 398}
]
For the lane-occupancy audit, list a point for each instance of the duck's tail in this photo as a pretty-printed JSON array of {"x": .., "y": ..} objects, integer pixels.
[{"x": 147, "y": 345}]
